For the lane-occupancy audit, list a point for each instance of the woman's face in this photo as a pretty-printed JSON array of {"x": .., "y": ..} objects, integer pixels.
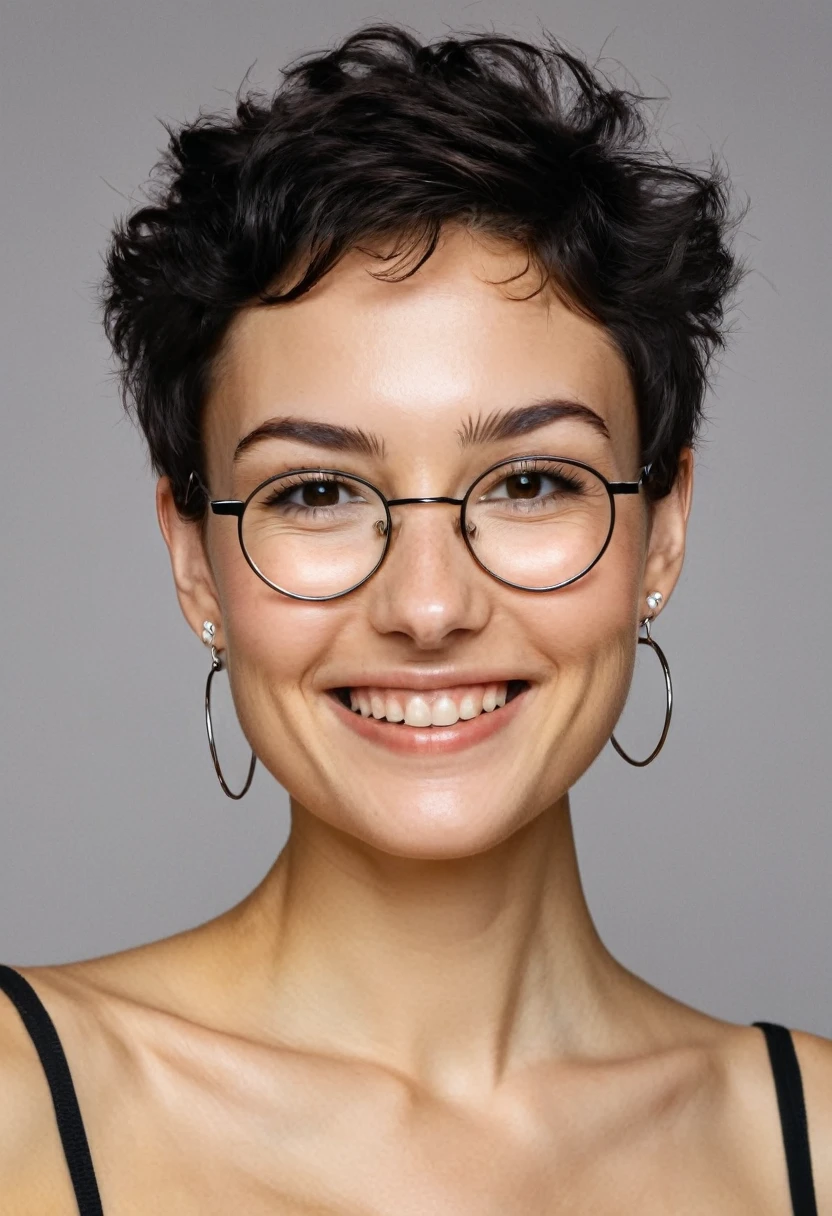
[{"x": 419, "y": 373}]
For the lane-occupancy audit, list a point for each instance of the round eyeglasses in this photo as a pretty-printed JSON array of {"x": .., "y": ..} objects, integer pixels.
[{"x": 536, "y": 523}]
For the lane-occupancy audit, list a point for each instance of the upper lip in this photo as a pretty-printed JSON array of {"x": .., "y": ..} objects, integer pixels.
[{"x": 426, "y": 681}]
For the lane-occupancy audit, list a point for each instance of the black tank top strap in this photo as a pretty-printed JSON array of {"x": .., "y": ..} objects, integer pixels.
[
  {"x": 790, "y": 1101},
  {"x": 64, "y": 1099}
]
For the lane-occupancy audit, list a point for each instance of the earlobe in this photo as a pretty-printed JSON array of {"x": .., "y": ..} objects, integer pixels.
[{"x": 195, "y": 587}]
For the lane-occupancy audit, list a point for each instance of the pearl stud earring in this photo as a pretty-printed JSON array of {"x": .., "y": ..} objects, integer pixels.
[
  {"x": 208, "y": 631},
  {"x": 654, "y": 600}
]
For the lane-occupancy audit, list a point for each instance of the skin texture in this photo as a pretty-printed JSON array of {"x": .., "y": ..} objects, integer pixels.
[{"x": 413, "y": 1012}]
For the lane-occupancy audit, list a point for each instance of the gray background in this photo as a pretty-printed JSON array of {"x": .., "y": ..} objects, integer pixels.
[{"x": 707, "y": 872}]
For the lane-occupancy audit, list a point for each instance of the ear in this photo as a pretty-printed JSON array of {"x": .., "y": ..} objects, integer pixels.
[
  {"x": 668, "y": 531},
  {"x": 195, "y": 586}
]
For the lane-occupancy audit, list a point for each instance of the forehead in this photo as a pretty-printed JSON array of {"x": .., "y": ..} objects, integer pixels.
[{"x": 414, "y": 359}]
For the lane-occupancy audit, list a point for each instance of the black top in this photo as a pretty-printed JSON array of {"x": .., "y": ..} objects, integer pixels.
[{"x": 784, "y": 1064}]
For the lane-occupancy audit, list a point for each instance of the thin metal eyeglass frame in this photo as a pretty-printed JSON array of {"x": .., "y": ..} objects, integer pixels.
[{"x": 237, "y": 507}]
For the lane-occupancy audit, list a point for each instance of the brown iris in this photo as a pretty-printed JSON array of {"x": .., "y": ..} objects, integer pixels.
[
  {"x": 523, "y": 485},
  {"x": 320, "y": 493}
]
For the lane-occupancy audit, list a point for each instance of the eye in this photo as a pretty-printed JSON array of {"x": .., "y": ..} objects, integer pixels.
[
  {"x": 314, "y": 492},
  {"x": 317, "y": 494},
  {"x": 531, "y": 484},
  {"x": 524, "y": 485}
]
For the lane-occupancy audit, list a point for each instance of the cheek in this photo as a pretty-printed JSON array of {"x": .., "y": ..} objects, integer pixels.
[
  {"x": 273, "y": 645},
  {"x": 587, "y": 633}
]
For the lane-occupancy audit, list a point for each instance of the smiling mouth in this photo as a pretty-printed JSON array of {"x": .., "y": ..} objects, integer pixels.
[{"x": 440, "y": 707}]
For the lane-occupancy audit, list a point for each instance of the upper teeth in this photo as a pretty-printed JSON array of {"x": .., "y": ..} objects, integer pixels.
[{"x": 440, "y": 707}]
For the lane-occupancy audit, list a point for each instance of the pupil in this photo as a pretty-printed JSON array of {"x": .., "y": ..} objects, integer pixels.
[
  {"x": 320, "y": 494},
  {"x": 524, "y": 485}
]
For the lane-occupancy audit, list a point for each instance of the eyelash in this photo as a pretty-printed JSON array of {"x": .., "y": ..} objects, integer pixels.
[
  {"x": 302, "y": 479},
  {"x": 545, "y": 468}
]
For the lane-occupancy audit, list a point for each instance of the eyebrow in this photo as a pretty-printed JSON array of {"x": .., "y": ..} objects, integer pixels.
[
  {"x": 505, "y": 424},
  {"x": 499, "y": 424},
  {"x": 319, "y": 434}
]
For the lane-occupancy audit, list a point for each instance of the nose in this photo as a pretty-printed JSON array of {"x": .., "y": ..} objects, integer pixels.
[{"x": 428, "y": 587}]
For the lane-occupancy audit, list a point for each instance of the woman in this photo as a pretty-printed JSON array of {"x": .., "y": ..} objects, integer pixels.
[{"x": 419, "y": 347}]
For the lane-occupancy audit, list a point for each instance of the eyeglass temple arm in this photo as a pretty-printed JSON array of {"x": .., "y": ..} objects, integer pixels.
[
  {"x": 631, "y": 487},
  {"x": 228, "y": 506}
]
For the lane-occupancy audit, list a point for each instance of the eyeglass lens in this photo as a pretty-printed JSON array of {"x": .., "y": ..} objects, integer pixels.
[
  {"x": 314, "y": 534},
  {"x": 539, "y": 524},
  {"x": 536, "y": 524}
]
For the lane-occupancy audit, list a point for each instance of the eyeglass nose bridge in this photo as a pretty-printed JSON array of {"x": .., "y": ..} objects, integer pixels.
[
  {"x": 403, "y": 502},
  {"x": 406, "y": 502}
]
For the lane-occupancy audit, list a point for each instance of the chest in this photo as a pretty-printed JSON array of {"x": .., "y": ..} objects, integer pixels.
[{"x": 353, "y": 1159}]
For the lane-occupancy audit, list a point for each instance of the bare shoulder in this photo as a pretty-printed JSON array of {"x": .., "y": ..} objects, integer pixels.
[
  {"x": 753, "y": 1104},
  {"x": 814, "y": 1054},
  {"x": 32, "y": 1171},
  {"x": 78, "y": 998}
]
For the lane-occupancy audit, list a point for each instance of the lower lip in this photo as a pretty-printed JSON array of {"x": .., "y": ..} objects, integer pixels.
[{"x": 431, "y": 740}]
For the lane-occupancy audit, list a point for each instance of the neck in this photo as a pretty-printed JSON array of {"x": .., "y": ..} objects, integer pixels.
[{"x": 448, "y": 971}]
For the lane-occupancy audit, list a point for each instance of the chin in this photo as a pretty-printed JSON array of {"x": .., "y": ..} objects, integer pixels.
[{"x": 436, "y": 821}]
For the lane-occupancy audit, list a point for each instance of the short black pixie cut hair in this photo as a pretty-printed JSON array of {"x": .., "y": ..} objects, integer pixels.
[{"x": 386, "y": 138}]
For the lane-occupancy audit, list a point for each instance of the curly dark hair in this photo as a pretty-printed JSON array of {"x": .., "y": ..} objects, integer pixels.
[{"x": 387, "y": 137}]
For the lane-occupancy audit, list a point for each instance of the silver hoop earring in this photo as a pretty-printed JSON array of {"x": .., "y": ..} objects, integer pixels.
[
  {"x": 648, "y": 641},
  {"x": 217, "y": 665}
]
